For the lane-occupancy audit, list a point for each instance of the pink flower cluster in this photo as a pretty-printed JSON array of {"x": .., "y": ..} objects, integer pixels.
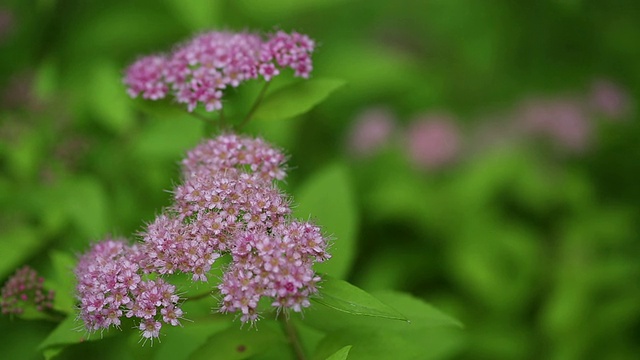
[
  {"x": 111, "y": 284},
  {"x": 275, "y": 263},
  {"x": 25, "y": 288},
  {"x": 227, "y": 203},
  {"x": 433, "y": 141},
  {"x": 197, "y": 71}
]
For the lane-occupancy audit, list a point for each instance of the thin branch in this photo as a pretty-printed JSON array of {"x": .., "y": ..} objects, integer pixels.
[
  {"x": 255, "y": 106},
  {"x": 292, "y": 334},
  {"x": 221, "y": 119}
]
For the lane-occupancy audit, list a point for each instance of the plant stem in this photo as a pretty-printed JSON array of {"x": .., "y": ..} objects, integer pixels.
[
  {"x": 255, "y": 106},
  {"x": 292, "y": 334},
  {"x": 221, "y": 119}
]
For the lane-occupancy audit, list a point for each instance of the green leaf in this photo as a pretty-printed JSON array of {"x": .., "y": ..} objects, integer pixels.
[
  {"x": 178, "y": 342},
  {"x": 63, "y": 280},
  {"x": 21, "y": 338},
  {"x": 428, "y": 334},
  {"x": 327, "y": 197},
  {"x": 342, "y": 296},
  {"x": 235, "y": 343},
  {"x": 418, "y": 313},
  {"x": 87, "y": 205},
  {"x": 341, "y": 354},
  {"x": 70, "y": 331},
  {"x": 379, "y": 343},
  {"x": 296, "y": 99}
]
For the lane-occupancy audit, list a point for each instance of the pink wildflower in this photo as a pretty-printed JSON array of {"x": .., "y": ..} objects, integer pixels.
[
  {"x": 110, "y": 285},
  {"x": 232, "y": 151},
  {"x": 370, "y": 131},
  {"x": 609, "y": 99},
  {"x": 7, "y": 24},
  {"x": 197, "y": 71},
  {"x": 276, "y": 264},
  {"x": 25, "y": 288},
  {"x": 227, "y": 203},
  {"x": 433, "y": 141},
  {"x": 562, "y": 121},
  {"x": 146, "y": 77}
]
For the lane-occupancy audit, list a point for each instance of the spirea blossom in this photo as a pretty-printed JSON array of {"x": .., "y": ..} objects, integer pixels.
[
  {"x": 199, "y": 70},
  {"x": 562, "y": 121},
  {"x": 232, "y": 151},
  {"x": 277, "y": 264},
  {"x": 433, "y": 141},
  {"x": 111, "y": 285},
  {"x": 610, "y": 99},
  {"x": 228, "y": 203},
  {"x": 23, "y": 289},
  {"x": 371, "y": 130}
]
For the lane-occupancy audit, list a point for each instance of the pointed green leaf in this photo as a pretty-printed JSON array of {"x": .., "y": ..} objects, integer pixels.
[
  {"x": 341, "y": 354},
  {"x": 418, "y": 313},
  {"x": 70, "y": 331},
  {"x": 327, "y": 198},
  {"x": 296, "y": 99},
  {"x": 63, "y": 281},
  {"x": 342, "y": 296}
]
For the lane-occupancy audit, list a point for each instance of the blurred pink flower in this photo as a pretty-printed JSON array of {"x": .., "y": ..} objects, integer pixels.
[
  {"x": 609, "y": 99},
  {"x": 371, "y": 130},
  {"x": 7, "y": 24},
  {"x": 563, "y": 121},
  {"x": 433, "y": 141}
]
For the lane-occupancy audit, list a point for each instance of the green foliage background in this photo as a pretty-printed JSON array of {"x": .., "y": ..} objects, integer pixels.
[{"x": 536, "y": 254}]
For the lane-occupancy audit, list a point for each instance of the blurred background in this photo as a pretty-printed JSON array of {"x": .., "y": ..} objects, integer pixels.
[{"x": 491, "y": 149}]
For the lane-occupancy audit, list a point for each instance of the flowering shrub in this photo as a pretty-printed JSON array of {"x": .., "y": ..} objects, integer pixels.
[{"x": 230, "y": 240}]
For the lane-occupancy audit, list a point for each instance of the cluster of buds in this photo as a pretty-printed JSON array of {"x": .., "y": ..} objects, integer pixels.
[
  {"x": 226, "y": 203},
  {"x": 23, "y": 289},
  {"x": 198, "y": 71}
]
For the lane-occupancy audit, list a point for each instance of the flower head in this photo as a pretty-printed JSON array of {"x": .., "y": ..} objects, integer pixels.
[
  {"x": 25, "y": 288},
  {"x": 111, "y": 284},
  {"x": 562, "y": 121},
  {"x": 199, "y": 70},
  {"x": 371, "y": 130},
  {"x": 227, "y": 203},
  {"x": 433, "y": 141},
  {"x": 609, "y": 99}
]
